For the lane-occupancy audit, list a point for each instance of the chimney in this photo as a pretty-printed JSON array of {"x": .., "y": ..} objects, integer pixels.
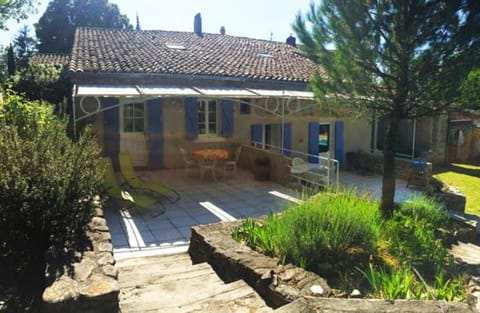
[
  {"x": 291, "y": 41},
  {"x": 222, "y": 30},
  {"x": 197, "y": 25}
]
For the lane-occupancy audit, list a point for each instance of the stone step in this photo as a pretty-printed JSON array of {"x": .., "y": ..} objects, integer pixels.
[
  {"x": 467, "y": 252},
  {"x": 173, "y": 284},
  {"x": 138, "y": 276},
  {"x": 181, "y": 258},
  {"x": 234, "y": 297}
]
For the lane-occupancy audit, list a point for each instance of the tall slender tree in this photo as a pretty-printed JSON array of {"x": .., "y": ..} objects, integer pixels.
[
  {"x": 11, "y": 68},
  {"x": 24, "y": 46},
  {"x": 56, "y": 27},
  {"x": 396, "y": 58}
]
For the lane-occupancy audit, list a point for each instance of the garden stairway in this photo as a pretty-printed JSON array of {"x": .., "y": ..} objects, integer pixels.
[{"x": 172, "y": 284}]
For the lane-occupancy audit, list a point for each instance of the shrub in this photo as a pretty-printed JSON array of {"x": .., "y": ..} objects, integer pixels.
[
  {"x": 47, "y": 181},
  {"x": 323, "y": 229},
  {"x": 411, "y": 234}
]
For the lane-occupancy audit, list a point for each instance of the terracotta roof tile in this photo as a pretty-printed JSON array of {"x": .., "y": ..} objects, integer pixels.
[
  {"x": 171, "y": 52},
  {"x": 50, "y": 59}
]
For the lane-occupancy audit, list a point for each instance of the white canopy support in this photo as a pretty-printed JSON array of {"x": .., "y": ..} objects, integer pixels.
[{"x": 286, "y": 102}]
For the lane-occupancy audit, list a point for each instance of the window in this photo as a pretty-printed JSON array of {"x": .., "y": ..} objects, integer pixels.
[
  {"x": 324, "y": 138},
  {"x": 133, "y": 118},
  {"x": 245, "y": 106},
  {"x": 207, "y": 117},
  {"x": 273, "y": 136}
]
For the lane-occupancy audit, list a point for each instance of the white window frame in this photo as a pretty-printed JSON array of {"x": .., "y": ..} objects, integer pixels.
[
  {"x": 206, "y": 121},
  {"x": 133, "y": 118}
]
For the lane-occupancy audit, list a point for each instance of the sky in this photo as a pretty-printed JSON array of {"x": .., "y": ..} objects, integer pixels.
[{"x": 261, "y": 19}]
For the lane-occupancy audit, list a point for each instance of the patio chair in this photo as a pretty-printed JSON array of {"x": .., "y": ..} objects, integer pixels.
[
  {"x": 189, "y": 163},
  {"x": 133, "y": 182},
  {"x": 208, "y": 165},
  {"x": 114, "y": 190},
  {"x": 231, "y": 165}
]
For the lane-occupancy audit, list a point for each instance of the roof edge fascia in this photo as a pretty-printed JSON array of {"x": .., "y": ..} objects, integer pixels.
[{"x": 81, "y": 77}]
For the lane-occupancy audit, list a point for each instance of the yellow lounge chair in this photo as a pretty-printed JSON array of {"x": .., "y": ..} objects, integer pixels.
[
  {"x": 135, "y": 183},
  {"x": 114, "y": 190}
]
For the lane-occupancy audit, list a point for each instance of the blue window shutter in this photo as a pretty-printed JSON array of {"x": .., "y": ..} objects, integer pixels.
[
  {"x": 155, "y": 133},
  {"x": 227, "y": 118},
  {"x": 191, "y": 118},
  {"x": 287, "y": 139},
  {"x": 111, "y": 126},
  {"x": 256, "y": 131},
  {"x": 339, "y": 142},
  {"x": 313, "y": 130}
]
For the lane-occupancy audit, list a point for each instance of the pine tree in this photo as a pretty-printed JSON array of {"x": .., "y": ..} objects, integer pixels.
[
  {"x": 11, "y": 61},
  {"x": 392, "y": 58}
]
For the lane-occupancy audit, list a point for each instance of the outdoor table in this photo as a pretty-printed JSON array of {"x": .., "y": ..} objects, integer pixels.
[
  {"x": 208, "y": 159},
  {"x": 210, "y": 154}
]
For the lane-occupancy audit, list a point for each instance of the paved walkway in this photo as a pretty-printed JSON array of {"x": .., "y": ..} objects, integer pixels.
[{"x": 137, "y": 233}]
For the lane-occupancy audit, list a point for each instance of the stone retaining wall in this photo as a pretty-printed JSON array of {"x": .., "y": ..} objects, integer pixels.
[
  {"x": 373, "y": 162},
  {"x": 90, "y": 283},
  {"x": 288, "y": 287}
]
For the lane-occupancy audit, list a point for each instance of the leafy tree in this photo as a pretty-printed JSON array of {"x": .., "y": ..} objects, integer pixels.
[
  {"x": 392, "y": 58},
  {"x": 47, "y": 184},
  {"x": 42, "y": 82},
  {"x": 24, "y": 47},
  {"x": 55, "y": 29},
  {"x": 470, "y": 91},
  {"x": 11, "y": 68},
  {"x": 15, "y": 9}
]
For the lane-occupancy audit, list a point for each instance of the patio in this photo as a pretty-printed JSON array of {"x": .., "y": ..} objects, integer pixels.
[{"x": 136, "y": 233}]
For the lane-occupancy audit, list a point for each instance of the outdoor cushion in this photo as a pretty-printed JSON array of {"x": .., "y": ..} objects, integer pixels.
[
  {"x": 136, "y": 183},
  {"x": 115, "y": 190}
]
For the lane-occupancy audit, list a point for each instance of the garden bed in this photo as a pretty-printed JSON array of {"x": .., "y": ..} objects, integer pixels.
[
  {"x": 355, "y": 269},
  {"x": 287, "y": 286}
]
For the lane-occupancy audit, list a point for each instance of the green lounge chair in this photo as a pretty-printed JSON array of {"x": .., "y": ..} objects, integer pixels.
[
  {"x": 135, "y": 183},
  {"x": 114, "y": 190}
]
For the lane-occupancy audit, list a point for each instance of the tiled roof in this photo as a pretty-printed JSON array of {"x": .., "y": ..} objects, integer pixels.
[
  {"x": 50, "y": 59},
  {"x": 171, "y": 52}
]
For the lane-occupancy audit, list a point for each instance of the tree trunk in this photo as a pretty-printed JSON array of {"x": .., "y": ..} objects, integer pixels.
[{"x": 389, "y": 175}]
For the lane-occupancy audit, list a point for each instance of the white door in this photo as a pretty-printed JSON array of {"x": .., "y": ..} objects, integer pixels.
[{"x": 132, "y": 135}]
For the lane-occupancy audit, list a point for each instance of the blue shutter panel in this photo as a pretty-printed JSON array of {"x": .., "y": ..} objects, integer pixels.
[
  {"x": 155, "y": 133},
  {"x": 313, "y": 130},
  {"x": 111, "y": 126},
  {"x": 227, "y": 118},
  {"x": 287, "y": 139},
  {"x": 191, "y": 118},
  {"x": 256, "y": 133},
  {"x": 339, "y": 142}
]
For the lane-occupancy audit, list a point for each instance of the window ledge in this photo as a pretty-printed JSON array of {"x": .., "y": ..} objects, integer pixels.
[{"x": 206, "y": 139}]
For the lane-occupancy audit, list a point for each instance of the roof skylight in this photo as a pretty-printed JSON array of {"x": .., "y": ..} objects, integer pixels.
[
  {"x": 175, "y": 46},
  {"x": 265, "y": 55}
]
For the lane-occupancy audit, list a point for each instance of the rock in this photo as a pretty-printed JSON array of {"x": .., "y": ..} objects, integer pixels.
[
  {"x": 289, "y": 274},
  {"x": 99, "y": 285},
  {"x": 317, "y": 290},
  {"x": 98, "y": 221},
  {"x": 61, "y": 290},
  {"x": 104, "y": 246},
  {"x": 83, "y": 269},
  {"x": 477, "y": 295},
  {"x": 100, "y": 236},
  {"x": 110, "y": 270},
  {"x": 355, "y": 293},
  {"x": 105, "y": 258}
]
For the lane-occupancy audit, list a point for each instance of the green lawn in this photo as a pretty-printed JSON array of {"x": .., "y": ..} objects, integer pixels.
[{"x": 466, "y": 178}]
